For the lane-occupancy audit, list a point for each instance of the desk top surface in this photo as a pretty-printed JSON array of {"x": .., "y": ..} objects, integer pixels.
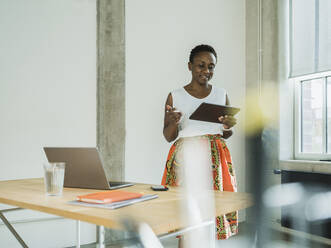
[{"x": 162, "y": 214}]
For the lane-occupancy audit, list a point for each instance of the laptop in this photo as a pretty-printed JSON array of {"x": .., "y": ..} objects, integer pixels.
[{"x": 84, "y": 167}]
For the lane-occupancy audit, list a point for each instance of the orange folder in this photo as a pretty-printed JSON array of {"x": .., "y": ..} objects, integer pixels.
[{"x": 108, "y": 196}]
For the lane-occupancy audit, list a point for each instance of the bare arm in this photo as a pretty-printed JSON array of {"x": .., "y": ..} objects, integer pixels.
[{"x": 171, "y": 120}]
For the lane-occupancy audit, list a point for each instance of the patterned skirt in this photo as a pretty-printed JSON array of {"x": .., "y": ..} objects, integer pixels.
[{"x": 223, "y": 178}]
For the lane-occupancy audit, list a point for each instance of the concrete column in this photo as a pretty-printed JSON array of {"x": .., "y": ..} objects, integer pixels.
[
  {"x": 262, "y": 78},
  {"x": 267, "y": 45},
  {"x": 111, "y": 86},
  {"x": 111, "y": 94},
  {"x": 262, "y": 63}
]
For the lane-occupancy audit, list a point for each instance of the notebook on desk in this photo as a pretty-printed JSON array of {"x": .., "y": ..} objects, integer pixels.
[
  {"x": 115, "y": 205},
  {"x": 108, "y": 196},
  {"x": 83, "y": 169}
]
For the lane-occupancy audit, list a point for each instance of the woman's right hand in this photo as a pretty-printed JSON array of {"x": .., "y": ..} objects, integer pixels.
[
  {"x": 172, "y": 115},
  {"x": 171, "y": 120}
]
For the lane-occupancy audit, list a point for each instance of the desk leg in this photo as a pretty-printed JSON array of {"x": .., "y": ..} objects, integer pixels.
[
  {"x": 207, "y": 224},
  {"x": 210, "y": 223},
  {"x": 77, "y": 234},
  {"x": 11, "y": 228},
  {"x": 101, "y": 237},
  {"x": 213, "y": 233}
]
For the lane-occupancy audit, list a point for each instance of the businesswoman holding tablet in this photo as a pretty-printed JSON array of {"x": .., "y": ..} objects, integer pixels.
[{"x": 180, "y": 104}]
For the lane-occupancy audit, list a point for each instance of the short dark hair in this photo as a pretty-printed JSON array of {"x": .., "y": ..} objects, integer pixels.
[{"x": 202, "y": 48}]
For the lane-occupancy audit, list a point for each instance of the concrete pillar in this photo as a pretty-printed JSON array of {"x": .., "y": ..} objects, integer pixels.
[
  {"x": 261, "y": 39},
  {"x": 262, "y": 62},
  {"x": 111, "y": 94},
  {"x": 262, "y": 77},
  {"x": 111, "y": 86}
]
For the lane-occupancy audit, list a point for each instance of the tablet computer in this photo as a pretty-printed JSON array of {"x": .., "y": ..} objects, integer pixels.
[{"x": 210, "y": 112}]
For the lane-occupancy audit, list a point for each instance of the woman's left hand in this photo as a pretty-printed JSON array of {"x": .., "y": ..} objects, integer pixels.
[{"x": 228, "y": 121}]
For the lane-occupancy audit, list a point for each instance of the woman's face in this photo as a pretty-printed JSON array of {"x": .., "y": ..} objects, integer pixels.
[{"x": 202, "y": 67}]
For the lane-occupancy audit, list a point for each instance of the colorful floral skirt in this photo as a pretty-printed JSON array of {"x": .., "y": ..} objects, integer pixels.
[{"x": 223, "y": 178}]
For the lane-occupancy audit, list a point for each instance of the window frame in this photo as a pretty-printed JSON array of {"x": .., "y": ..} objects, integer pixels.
[{"x": 298, "y": 155}]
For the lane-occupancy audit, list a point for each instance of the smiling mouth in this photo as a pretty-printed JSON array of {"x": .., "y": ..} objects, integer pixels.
[{"x": 204, "y": 77}]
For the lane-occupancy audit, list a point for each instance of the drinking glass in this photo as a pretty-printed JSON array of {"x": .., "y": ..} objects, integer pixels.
[{"x": 53, "y": 178}]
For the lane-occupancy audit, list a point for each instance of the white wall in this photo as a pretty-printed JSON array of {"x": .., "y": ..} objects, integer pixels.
[
  {"x": 159, "y": 37},
  {"x": 47, "y": 98}
]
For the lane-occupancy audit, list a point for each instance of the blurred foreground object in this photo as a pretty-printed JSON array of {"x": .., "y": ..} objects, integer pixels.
[{"x": 198, "y": 198}]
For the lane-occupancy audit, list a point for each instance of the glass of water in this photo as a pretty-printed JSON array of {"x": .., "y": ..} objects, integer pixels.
[{"x": 53, "y": 178}]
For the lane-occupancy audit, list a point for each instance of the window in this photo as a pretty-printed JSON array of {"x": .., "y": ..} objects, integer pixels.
[
  {"x": 313, "y": 116},
  {"x": 310, "y": 69},
  {"x": 310, "y": 36}
]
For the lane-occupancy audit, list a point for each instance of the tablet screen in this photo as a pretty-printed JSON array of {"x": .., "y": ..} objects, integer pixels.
[{"x": 211, "y": 112}]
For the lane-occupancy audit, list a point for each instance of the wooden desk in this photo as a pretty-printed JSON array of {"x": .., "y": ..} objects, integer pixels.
[{"x": 162, "y": 214}]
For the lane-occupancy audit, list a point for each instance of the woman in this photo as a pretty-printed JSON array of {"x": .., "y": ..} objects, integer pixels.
[{"x": 180, "y": 104}]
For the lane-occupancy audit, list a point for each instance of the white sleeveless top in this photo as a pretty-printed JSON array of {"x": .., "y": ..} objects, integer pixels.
[{"x": 187, "y": 104}]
